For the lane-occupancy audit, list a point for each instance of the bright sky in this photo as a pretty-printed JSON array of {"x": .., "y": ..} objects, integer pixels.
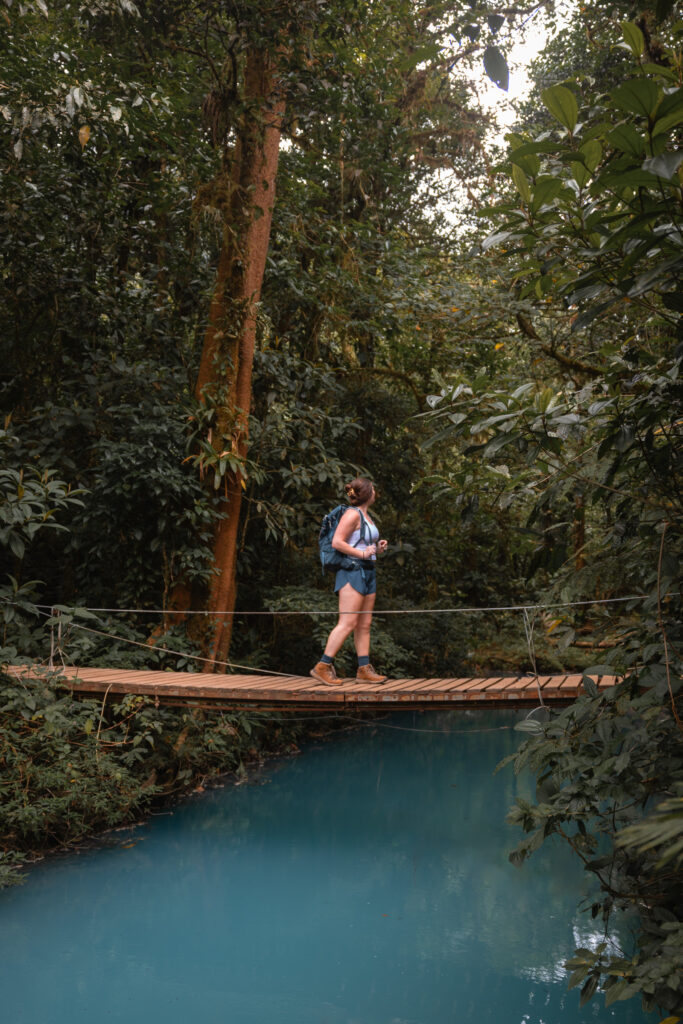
[{"x": 520, "y": 54}]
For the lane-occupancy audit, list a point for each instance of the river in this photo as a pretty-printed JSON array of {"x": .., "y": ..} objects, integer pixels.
[{"x": 365, "y": 881}]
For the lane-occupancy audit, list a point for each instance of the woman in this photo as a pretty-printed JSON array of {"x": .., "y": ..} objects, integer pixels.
[{"x": 358, "y": 537}]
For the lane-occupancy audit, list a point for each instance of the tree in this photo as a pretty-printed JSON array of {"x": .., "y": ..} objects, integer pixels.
[
  {"x": 595, "y": 228},
  {"x": 272, "y": 61}
]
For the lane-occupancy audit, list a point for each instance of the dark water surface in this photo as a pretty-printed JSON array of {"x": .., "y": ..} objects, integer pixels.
[{"x": 364, "y": 882}]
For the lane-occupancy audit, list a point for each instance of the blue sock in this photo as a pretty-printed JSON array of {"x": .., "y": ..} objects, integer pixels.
[
  {"x": 326, "y": 659},
  {"x": 363, "y": 659}
]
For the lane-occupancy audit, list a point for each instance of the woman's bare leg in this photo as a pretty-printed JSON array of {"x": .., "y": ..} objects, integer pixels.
[
  {"x": 361, "y": 633},
  {"x": 350, "y": 603}
]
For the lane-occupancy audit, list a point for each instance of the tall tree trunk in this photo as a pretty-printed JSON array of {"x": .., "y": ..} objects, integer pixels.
[{"x": 224, "y": 380}]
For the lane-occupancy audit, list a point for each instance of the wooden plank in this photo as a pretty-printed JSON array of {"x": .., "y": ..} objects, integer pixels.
[
  {"x": 253, "y": 695},
  {"x": 555, "y": 687},
  {"x": 425, "y": 685},
  {"x": 528, "y": 683},
  {"x": 554, "y": 682},
  {"x": 256, "y": 682},
  {"x": 497, "y": 685},
  {"x": 354, "y": 687},
  {"x": 290, "y": 690},
  {"x": 454, "y": 685},
  {"x": 447, "y": 684},
  {"x": 225, "y": 689},
  {"x": 96, "y": 676},
  {"x": 475, "y": 683},
  {"x": 156, "y": 679},
  {"x": 439, "y": 690},
  {"x": 397, "y": 684}
]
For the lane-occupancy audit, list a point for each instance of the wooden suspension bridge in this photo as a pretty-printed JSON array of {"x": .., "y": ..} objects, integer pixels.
[{"x": 282, "y": 693}]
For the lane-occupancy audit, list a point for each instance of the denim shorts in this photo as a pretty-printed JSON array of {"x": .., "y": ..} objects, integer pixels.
[{"x": 362, "y": 578}]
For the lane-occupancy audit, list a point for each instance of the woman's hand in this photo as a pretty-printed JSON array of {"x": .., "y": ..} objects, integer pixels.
[
  {"x": 369, "y": 551},
  {"x": 382, "y": 546}
]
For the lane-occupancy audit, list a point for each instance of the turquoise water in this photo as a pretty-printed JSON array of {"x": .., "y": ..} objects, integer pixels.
[{"x": 364, "y": 882}]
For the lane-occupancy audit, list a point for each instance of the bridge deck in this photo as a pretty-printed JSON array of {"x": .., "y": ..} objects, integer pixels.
[{"x": 282, "y": 692}]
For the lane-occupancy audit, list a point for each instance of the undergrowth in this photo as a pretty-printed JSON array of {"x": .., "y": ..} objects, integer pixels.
[{"x": 71, "y": 768}]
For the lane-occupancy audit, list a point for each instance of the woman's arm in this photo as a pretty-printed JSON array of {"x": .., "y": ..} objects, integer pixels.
[{"x": 349, "y": 522}]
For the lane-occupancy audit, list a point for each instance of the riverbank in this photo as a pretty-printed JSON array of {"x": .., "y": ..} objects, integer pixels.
[{"x": 73, "y": 770}]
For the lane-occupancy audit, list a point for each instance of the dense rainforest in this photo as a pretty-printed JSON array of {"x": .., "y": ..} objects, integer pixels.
[{"x": 250, "y": 250}]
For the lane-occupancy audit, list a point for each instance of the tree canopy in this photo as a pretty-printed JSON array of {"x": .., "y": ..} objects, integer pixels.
[{"x": 252, "y": 249}]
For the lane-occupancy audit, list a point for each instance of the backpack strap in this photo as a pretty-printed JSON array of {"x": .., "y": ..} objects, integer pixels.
[{"x": 363, "y": 525}]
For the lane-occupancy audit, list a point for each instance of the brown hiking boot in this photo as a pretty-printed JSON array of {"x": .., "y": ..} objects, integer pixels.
[
  {"x": 367, "y": 674},
  {"x": 325, "y": 673}
]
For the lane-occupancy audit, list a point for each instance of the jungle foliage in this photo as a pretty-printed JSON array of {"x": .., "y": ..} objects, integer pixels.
[
  {"x": 513, "y": 388},
  {"x": 73, "y": 768},
  {"x": 593, "y": 246},
  {"x": 112, "y": 225}
]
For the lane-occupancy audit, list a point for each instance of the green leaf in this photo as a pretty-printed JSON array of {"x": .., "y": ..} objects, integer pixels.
[
  {"x": 613, "y": 993},
  {"x": 497, "y": 238},
  {"x": 495, "y": 22},
  {"x": 529, "y": 725},
  {"x": 665, "y": 165},
  {"x": 521, "y": 183},
  {"x": 652, "y": 278},
  {"x": 634, "y": 37},
  {"x": 639, "y": 96},
  {"x": 630, "y": 179},
  {"x": 577, "y": 976},
  {"x": 562, "y": 104},
  {"x": 581, "y": 174},
  {"x": 16, "y": 545},
  {"x": 496, "y": 67},
  {"x": 529, "y": 162},
  {"x": 626, "y": 139},
  {"x": 671, "y": 103},
  {"x": 589, "y": 989},
  {"x": 589, "y": 686},
  {"x": 527, "y": 148},
  {"x": 591, "y": 314},
  {"x": 421, "y": 55},
  {"x": 665, "y": 124},
  {"x": 592, "y": 152},
  {"x": 545, "y": 191},
  {"x": 624, "y": 438}
]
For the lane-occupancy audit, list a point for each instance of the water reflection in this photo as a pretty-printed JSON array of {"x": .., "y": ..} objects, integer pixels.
[{"x": 366, "y": 881}]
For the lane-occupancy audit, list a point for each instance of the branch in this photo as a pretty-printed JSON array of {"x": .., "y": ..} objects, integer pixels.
[
  {"x": 529, "y": 330},
  {"x": 572, "y": 364}
]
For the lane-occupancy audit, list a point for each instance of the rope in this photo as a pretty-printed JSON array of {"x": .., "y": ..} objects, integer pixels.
[
  {"x": 51, "y": 662},
  {"x": 375, "y": 611},
  {"x": 179, "y": 654},
  {"x": 529, "y": 631},
  {"x": 447, "y": 732},
  {"x": 375, "y": 723},
  {"x": 524, "y": 608},
  {"x": 55, "y": 644}
]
